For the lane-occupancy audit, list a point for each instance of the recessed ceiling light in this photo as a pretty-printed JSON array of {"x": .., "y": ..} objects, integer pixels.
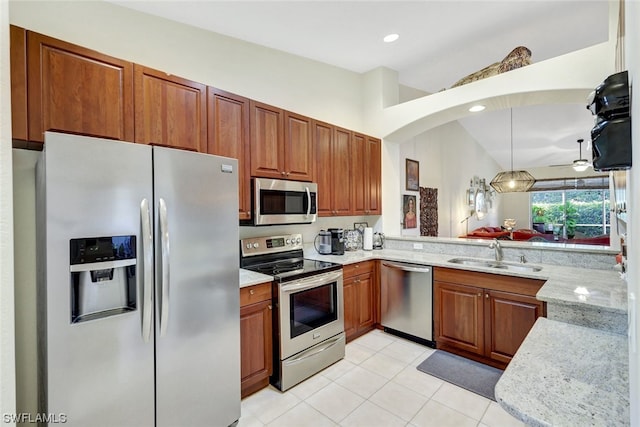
[
  {"x": 477, "y": 108},
  {"x": 391, "y": 38}
]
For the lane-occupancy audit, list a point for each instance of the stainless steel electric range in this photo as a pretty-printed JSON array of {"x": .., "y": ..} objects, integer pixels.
[{"x": 309, "y": 315}]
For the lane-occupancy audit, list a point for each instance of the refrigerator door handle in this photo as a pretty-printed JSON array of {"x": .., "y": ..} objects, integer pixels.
[
  {"x": 164, "y": 291},
  {"x": 147, "y": 254}
]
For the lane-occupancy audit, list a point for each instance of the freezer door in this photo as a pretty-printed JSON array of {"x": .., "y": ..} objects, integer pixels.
[
  {"x": 97, "y": 371},
  {"x": 197, "y": 289}
]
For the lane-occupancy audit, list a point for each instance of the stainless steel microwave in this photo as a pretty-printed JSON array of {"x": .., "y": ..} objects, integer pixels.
[{"x": 276, "y": 201}]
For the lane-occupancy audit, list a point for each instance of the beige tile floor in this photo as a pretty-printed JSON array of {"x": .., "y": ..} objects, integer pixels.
[{"x": 376, "y": 384}]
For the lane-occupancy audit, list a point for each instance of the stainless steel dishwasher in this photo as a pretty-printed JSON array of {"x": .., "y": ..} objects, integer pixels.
[{"x": 406, "y": 300}]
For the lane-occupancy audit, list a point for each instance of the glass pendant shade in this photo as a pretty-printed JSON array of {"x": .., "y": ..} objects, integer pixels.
[{"x": 513, "y": 181}]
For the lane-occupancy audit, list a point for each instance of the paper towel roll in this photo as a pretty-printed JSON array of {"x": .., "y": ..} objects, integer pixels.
[{"x": 367, "y": 240}]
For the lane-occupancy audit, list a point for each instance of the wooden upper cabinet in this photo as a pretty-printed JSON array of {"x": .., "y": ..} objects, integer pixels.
[
  {"x": 281, "y": 144},
  {"x": 267, "y": 136},
  {"x": 228, "y": 135},
  {"x": 169, "y": 110},
  {"x": 298, "y": 147},
  {"x": 323, "y": 142},
  {"x": 341, "y": 171},
  {"x": 18, "y": 54},
  {"x": 358, "y": 174},
  {"x": 373, "y": 177},
  {"x": 333, "y": 170},
  {"x": 77, "y": 90}
]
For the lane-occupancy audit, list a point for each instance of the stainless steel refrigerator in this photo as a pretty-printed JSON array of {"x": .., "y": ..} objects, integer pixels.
[{"x": 138, "y": 300}]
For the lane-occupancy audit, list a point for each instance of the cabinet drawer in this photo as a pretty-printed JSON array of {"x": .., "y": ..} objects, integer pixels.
[
  {"x": 255, "y": 293},
  {"x": 351, "y": 270}
]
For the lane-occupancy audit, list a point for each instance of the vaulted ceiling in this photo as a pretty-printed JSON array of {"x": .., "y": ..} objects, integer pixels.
[{"x": 440, "y": 42}]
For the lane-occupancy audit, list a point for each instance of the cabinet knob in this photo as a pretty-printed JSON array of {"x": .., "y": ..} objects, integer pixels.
[
  {"x": 269, "y": 307},
  {"x": 486, "y": 296},
  {"x": 283, "y": 173},
  {"x": 288, "y": 173},
  {"x": 479, "y": 294},
  {"x": 251, "y": 292}
]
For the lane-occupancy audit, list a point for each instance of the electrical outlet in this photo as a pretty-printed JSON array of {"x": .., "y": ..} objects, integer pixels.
[{"x": 417, "y": 246}]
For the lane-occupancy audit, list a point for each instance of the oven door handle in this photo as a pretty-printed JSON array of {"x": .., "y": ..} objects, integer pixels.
[
  {"x": 307, "y": 354},
  {"x": 314, "y": 282}
]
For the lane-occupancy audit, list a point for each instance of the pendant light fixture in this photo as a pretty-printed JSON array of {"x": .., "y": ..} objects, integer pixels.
[
  {"x": 581, "y": 164},
  {"x": 512, "y": 181}
]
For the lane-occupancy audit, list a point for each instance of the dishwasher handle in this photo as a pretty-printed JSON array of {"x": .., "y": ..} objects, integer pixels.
[{"x": 407, "y": 267}]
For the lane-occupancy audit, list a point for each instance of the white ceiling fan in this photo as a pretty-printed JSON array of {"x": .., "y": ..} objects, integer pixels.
[{"x": 580, "y": 164}]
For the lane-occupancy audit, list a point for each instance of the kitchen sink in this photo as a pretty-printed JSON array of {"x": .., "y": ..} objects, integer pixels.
[{"x": 496, "y": 264}]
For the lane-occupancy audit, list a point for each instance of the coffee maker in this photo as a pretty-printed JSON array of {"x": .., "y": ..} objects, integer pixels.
[{"x": 337, "y": 241}]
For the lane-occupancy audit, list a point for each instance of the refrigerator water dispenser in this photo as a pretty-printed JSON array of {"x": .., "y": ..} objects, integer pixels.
[{"x": 103, "y": 277}]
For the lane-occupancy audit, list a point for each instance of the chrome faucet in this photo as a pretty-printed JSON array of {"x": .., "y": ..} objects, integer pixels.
[{"x": 496, "y": 245}]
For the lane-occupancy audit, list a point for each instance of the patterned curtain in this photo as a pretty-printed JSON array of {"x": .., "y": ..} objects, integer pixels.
[{"x": 428, "y": 211}]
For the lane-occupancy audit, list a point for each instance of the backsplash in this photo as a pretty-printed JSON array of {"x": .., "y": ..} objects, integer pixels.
[{"x": 593, "y": 258}]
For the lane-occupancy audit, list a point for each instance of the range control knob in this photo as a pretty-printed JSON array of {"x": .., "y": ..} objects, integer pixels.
[
  {"x": 299, "y": 240},
  {"x": 256, "y": 245},
  {"x": 288, "y": 241}
]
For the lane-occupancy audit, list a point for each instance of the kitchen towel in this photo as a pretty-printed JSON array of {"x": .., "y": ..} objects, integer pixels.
[{"x": 367, "y": 241}]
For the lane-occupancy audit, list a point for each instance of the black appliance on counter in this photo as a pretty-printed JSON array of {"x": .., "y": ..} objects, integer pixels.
[
  {"x": 611, "y": 136},
  {"x": 337, "y": 241},
  {"x": 308, "y": 297}
]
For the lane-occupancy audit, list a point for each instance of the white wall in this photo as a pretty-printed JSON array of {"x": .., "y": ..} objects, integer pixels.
[
  {"x": 307, "y": 87},
  {"x": 633, "y": 195},
  {"x": 449, "y": 158}
]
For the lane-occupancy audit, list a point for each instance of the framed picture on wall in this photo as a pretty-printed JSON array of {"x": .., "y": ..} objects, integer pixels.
[
  {"x": 409, "y": 216},
  {"x": 412, "y": 171}
]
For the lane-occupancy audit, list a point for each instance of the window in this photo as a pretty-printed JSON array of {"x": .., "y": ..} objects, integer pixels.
[{"x": 571, "y": 207}]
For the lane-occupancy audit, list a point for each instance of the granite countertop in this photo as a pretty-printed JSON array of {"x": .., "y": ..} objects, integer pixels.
[
  {"x": 567, "y": 375},
  {"x": 601, "y": 289},
  {"x": 249, "y": 278}
]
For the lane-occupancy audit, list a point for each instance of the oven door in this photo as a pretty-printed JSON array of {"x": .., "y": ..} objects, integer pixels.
[
  {"x": 284, "y": 202},
  {"x": 311, "y": 311}
]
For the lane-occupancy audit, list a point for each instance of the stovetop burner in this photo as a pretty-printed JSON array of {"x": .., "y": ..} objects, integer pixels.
[{"x": 281, "y": 257}]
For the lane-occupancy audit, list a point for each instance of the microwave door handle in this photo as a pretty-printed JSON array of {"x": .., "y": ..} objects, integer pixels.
[
  {"x": 308, "y": 202},
  {"x": 165, "y": 279},
  {"x": 147, "y": 273}
]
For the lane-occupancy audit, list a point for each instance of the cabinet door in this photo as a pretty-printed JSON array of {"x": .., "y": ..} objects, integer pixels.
[
  {"x": 366, "y": 309},
  {"x": 373, "y": 168},
  {"x": 359, "y": 174},
  {"x": 77, "y": 90},
  {"x": 341, "y": 172},
  {"x": 170, "y": 110},
  {"x": 256, "y": 356},
  {"x": 459, "y": 316},
  {"x": 298, "y": 147},
  {"x": 509, "y": 317},
  {"x": 323, "y": 144},
  {"x": 351, "y": 307},
  {"x": 18, "y": 58},
  {"x": 228, "y": 135},
  {"x": 267, "y": 136}
]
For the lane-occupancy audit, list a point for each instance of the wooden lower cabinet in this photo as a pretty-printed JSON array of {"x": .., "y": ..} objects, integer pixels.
[
  {"x": 256, "y": 338},
  {"x": 359, "y": 292},
  {"x": 484, "y": 316}
]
